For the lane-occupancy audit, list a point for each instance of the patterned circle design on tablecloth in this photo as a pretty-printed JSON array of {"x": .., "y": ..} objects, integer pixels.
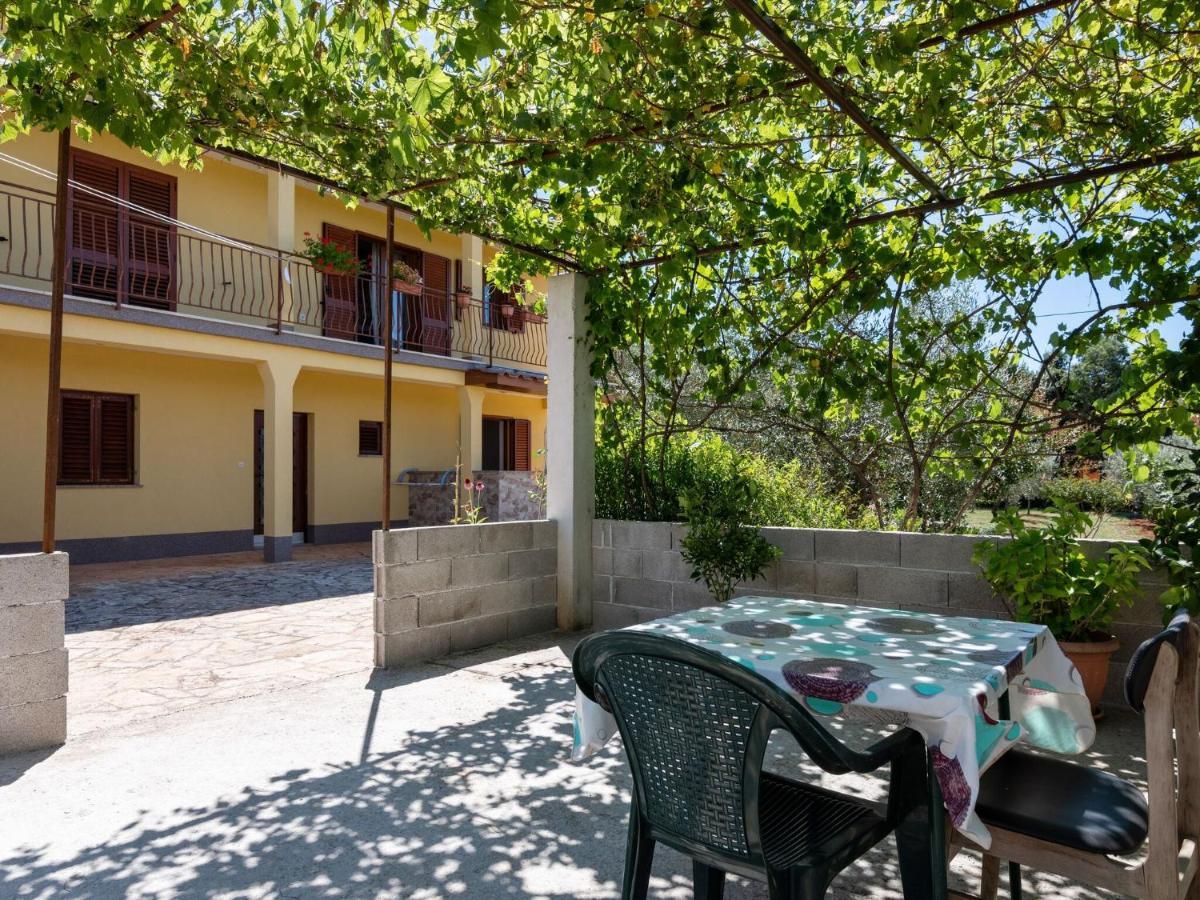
[
  {"x": 955, "y": 790},
  {"x": 904, "y": 625},
  {"x": 757, "y": 628},
  {"x": 840, "y": 680}
]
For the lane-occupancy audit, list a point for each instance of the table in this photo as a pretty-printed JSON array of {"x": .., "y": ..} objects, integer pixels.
[{"x": 943, "y": 676}]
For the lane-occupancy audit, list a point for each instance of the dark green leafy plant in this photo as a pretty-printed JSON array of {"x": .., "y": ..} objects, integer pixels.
[
  {"x": 1046, "y": 577},
  {"x": 722, "y": 548},
  {"x": 1176, "y": 540}
]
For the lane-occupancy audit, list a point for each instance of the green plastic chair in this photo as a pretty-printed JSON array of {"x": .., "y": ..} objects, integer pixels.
[{"x": 695, "y": 727}]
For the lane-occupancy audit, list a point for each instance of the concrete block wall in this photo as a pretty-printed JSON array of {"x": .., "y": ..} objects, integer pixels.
[
  {"x": 33, "y": 658},
  {"x": 447, "y": 589},
  {"x": 639, "y": 574}
]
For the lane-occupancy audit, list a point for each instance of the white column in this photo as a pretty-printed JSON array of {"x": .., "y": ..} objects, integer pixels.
[
  {"x": 570, "y": 447},
  {"x": 281, "y": 225},
  {"x": 472, "y": 264},
  {"x": 278, "y": 381}
]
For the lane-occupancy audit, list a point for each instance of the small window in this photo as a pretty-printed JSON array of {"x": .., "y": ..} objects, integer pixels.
[
  {"x": 97, "y": 438},
  {"x": 505, "y": 444},
  {"x": 370, "y": 438}
]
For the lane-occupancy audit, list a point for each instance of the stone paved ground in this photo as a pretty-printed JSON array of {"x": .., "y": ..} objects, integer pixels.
[
  {"x": 446, "y": 782},
  {"x": 153, "y": 638}
]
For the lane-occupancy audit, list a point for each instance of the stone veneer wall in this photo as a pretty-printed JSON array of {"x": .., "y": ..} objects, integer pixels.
[
  {"x": 452, "y": 588},
  {"x": 639, "y": 574},
  {"x": 33, "y": 658},
  {"x": 506, "y": 498}
]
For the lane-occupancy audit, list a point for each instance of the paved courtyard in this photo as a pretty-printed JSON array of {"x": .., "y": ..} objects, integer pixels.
[
  {"x": 446, "y": 781},
  {"x": 152, "y": 638}
]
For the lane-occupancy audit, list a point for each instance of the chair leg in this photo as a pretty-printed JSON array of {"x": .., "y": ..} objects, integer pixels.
[
  {"x": 708, "y": 881},
  {"x": 1014, "y": 881},
  {"x": 639, "y": 854},
  {"x": 989, "y": 885},
  {"x": 779, "y": 884}
]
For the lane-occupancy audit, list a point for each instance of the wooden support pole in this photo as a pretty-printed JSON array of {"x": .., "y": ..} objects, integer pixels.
[
  {"x": 58, "y": 278},
  {"x": 386, "y": 518}
]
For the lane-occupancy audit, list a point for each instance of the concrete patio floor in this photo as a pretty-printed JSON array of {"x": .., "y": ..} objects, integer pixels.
[
  {"x": 151, "y": 638},
  {"x": 447, "y": 781}
]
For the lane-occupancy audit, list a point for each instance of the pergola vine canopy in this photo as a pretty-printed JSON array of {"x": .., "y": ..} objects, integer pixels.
[{"x": 812, "y": 146}]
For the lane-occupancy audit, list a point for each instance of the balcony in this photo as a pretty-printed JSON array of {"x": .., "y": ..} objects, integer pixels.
[{"x": 127, "y": 259}]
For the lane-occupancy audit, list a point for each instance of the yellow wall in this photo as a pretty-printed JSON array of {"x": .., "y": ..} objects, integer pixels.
[
  {"x": 346, "y": 487},
  {"x": 194, "y": 430},
  {"x": 313, "y": 210}
]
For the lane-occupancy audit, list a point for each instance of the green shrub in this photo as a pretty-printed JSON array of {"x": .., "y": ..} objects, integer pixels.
[
  {"x": 1176, "y": 543},
  {"x": 1048, "y": 578},
  {"x": 787, "y": 494},
  {"x": 721, "y": 544},
  {"x": 1100, "y": 496}
]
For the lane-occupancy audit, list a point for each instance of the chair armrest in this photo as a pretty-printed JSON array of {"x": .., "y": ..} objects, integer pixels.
[{"x": 888, "y": 749}]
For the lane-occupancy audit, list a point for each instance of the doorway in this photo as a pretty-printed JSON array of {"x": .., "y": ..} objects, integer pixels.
[{"x": 299, "y": 473}]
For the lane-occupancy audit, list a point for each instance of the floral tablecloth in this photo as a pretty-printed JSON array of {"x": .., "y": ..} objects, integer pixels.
[{"x": 941, "y": 675}]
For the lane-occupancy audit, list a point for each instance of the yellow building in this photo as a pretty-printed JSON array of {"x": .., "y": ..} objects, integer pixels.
[{"x": 223, "y": 360}]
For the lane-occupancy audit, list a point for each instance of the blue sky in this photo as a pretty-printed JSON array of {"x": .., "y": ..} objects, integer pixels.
[{"x": 1069, "y": 300}]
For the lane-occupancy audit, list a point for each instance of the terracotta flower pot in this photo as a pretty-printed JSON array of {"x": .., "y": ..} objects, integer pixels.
[
  {"x": 463, "y": 299},
  {"x": 507, "y": 309},
  {"x": 1092, "y": 659},
  {"x": 405, "y": 287}
]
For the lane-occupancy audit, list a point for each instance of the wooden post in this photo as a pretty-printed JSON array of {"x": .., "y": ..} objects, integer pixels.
[
  {"x": 387, "y": 368},
  {"x": 58, "y": 279}
]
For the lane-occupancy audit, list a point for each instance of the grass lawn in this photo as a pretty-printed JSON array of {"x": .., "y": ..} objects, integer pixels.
[{"x": 1112, "y": 528}]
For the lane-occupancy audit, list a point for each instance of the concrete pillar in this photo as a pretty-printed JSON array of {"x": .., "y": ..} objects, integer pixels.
[
  {"x": 472, "y": 264},
  {"x": 278, "y": 380},
  {"x": 33, "y": 656},
  {"x": 570, "y": 446},
  {"x": 281, "y": 226},
  {"x": 470, "y": 427}
]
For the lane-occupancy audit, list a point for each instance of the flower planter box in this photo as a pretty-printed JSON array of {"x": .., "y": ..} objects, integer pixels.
[{"x": 406, "y": 287}]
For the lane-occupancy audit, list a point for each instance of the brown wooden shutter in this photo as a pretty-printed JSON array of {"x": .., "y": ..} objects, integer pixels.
[
  {"x": 94, "y": 268},
  {"x": 435, "y": 304},
  {"x": 75, "y": 455},
  {"x": 521, "y": 460},
  {"x": 114, "y": 432},
  {"x": 151, "y": 242},
  {"x": 341, "y": 306},
  {"x": 370, "y": 438}
]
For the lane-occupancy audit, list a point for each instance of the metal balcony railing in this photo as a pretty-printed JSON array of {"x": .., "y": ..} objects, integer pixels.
[{"x": 129, "y": 259}]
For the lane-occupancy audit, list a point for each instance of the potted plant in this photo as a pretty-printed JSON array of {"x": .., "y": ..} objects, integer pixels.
[
  {"x": 1046, "y": 577},
  {"x": 406, "y": 279},
  {"x": 507, "y": 307},
  {"x": 327, "y": 257},
  {"x": 462, "y": 298}
]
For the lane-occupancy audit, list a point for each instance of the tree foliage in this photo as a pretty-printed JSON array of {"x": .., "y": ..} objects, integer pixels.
[{"x": 723, "y": 207}]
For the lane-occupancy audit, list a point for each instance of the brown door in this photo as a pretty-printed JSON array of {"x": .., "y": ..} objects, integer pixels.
[
  {"x": 299, "y": 471},
  {"x": 259, "y": 469},
  {"x": 341, "y": 304}
]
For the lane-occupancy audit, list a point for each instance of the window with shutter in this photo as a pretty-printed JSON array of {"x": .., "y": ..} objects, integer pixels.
[
  {"x": 97, "y": 438},
  {"x": 370, "y": 438},
  {"x": 119, "y": 252}
]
